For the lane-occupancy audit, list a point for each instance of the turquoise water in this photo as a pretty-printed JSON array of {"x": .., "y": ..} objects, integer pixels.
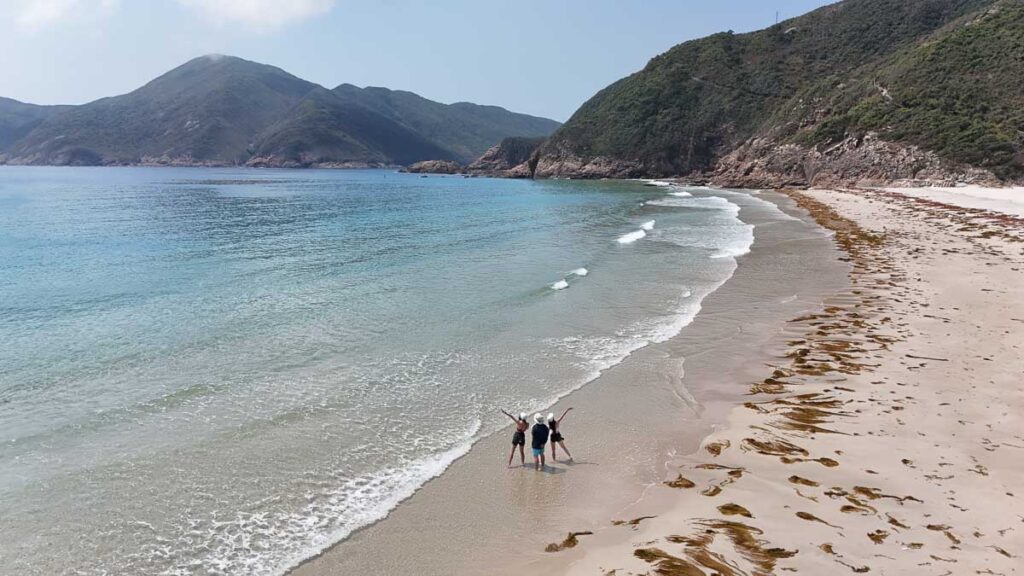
[{"x": 224, "y": 371}]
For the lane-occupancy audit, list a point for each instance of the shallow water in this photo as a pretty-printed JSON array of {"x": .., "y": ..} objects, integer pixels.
[{"x": 224, "y": 371}]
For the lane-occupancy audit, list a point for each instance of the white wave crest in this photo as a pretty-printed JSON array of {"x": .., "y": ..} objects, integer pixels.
[
  {"x": 581, "y": 272},
  {"x": 657, "y": 183},
  {"x": 560, "y": 285},
  {"x": 287, "y": 539},
  {"x": 681, "y": 194},
  {"x": 648, "y": 226},
  {"x": 632, "y": 237}
]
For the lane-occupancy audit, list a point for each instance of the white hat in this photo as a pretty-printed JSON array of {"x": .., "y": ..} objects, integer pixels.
[
  {"x": 522, "y": 415},
  {"x": 551, "y": 416},
  {"x": 538, "y": 418}
]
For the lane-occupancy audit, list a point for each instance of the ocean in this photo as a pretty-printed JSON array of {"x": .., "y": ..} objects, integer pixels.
[{"x": 226, "y": 371}]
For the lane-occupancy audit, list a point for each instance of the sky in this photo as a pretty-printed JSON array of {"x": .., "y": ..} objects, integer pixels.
[{"x": 541, "y": 57}]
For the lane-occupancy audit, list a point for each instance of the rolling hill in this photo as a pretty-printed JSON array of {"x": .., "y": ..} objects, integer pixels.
[{"x": 222, "y": 110}]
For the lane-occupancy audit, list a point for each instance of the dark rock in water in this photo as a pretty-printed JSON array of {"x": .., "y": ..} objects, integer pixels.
[{"x": 434, "y": 167}]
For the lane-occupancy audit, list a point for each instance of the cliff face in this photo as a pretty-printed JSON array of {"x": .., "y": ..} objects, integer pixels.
[
  {"x": 511, "y": 158},
  {"x": 869, "y": 159},
  {"x": 858, "y": 90}
]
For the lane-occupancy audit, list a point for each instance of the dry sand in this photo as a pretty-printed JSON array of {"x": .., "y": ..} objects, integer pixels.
[
  {"x": 886, "y": 437},
  {"x": 1004, "y": 200}
]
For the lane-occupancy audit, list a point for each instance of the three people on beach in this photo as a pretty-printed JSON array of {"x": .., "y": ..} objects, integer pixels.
[{"x": 540, "y": 434}]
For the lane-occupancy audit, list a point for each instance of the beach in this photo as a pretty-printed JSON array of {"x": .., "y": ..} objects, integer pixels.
[
  {"x": 762, "y": 381},
  {"x": 164, "y": 413},
  {"x": 885, "y": 436},
  {"x": 626, "y": 425}
]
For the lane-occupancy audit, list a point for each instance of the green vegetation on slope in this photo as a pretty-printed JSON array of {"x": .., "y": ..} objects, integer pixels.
[
  {"x": 466, "y": 130},
  {"x": 960, "y": 94},
  {"x": 225, "y": 110},
  {"x": 18, "y": 119},
  {"x": 700, "y": 100},
  {"x": 324, "y": 128}
]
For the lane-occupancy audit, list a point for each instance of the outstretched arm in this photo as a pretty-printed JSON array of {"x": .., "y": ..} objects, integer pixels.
[
  {"x": 510, "y": 416},
  {"x": 563, "y": 414}
]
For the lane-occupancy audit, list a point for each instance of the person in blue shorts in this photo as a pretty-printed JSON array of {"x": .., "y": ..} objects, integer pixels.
[{"x": 540, "y": 434}]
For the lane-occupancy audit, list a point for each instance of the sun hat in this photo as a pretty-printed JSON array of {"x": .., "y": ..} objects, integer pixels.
[
  {"x": 538, "y": 418},
  {"x": 522, "y": 415},
  {"x": 551, "y": 416}
]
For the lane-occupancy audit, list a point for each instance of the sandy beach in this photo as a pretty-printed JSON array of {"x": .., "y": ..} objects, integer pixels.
[
  {"x": 653, "y": 407},
  {"x": 886, "y": 435}
]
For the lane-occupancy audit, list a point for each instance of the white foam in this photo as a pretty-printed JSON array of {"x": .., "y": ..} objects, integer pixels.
[
  {"x": 732, "y": 252},
  {"x": 657, "y": 183},
  {"x": 287, "y": 539},
  {"x": 560, "y": 285},
  {"x": 681, "y": 194},
  {"x": 648, "y": 226},
  {"x": 580, "y": 272},
  {"x": 697, "y": 203},
  {"x": 632, "y": 237}
]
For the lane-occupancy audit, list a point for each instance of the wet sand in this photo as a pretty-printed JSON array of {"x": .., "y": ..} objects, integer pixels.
[
  {"x": 480, "y": 517},
  {"x": 886, "y": 435}
]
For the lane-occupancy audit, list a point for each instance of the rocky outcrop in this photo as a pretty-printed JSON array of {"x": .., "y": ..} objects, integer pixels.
[
  {"x": 572, "y": 166},
  {"x": 511, "y": 158},
  {"x": 434, "y": 167},
  {"x": 762, "y": 163}
]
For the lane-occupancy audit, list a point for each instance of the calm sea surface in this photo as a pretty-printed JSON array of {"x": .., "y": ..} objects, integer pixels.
[{"x": 224, "y": 371}]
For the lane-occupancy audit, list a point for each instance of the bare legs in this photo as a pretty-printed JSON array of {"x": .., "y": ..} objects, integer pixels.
[
  {"x": 522, "y": 456},
  {"x": 539, "y": 461},
  {"x": 564, "y": 449}
]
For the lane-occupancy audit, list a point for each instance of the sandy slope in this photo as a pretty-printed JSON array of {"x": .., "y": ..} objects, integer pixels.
[{"x": 888, "y": 438}]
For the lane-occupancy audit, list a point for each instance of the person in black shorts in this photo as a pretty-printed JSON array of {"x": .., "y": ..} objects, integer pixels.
[
  {"x": 540, "y": 438},
  {"x": 518, "y": 437},
  {"x": 556, "y": 434}
]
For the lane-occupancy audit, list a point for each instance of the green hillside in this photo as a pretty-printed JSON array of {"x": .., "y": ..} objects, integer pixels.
[
  {"x": 951, "y": 81},
  {"x": 222, "y": 110},
  {"x": 466, "y": 130},
  {"x": 324, "y": 128}
]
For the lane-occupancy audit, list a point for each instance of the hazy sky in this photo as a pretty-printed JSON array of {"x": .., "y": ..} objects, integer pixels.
[{"x": 543, "y": 57}]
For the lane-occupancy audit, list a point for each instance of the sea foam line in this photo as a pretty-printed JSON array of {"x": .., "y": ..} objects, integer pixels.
[
  {"x": 632, "y": 237},
  {"x": 328, "y": 519}
]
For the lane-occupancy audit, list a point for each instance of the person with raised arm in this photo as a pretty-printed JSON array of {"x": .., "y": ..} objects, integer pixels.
[
  {"x": 518, "y": 437},
  {"x": 556, "y": 434}
]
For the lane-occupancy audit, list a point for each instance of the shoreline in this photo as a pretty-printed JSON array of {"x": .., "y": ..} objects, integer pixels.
[
  {"x": 622, "y": 446},
  {"x": 836, "y": 462}
]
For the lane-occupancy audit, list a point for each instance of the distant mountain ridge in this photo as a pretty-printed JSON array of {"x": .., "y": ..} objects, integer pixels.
[
  {"x": 857, "y": 90},
  {"x": 222, "y": 110}
]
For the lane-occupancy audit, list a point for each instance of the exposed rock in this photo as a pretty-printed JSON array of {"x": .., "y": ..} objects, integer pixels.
[
  {"x": 761, "y": 163},
  {"x": 511, "y": 158},
  {"x": 559, "y": 162},
  {"x": 434, "y": 167}
]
